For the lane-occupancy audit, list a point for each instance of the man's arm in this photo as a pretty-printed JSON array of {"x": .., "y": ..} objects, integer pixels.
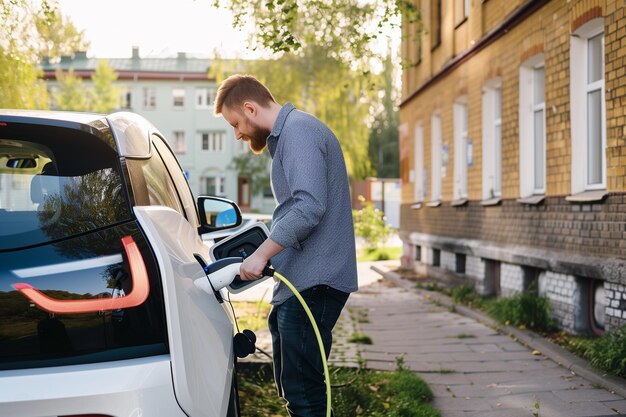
[{"x": 252, "y": 266}]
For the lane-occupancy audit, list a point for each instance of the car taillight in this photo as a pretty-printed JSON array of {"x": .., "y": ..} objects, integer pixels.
[{"x": 139, "y": 293}]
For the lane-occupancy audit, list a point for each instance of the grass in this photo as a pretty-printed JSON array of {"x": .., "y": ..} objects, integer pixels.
[
  {"x": 380, "y": 254},
  {"x": 356, "y": 392},
  {"x": 360, "y": 338},
  {"x": 252, "y": 315}
]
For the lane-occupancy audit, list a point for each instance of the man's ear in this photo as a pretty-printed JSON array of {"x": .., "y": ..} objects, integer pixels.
[{"x": 249, "y": 108}]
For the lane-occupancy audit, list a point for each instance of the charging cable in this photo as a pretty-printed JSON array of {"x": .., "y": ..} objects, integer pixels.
[{"x": 317, "y": 334}]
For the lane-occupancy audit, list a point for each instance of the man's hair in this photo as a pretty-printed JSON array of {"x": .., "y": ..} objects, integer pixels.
[{"x": 237, "y": 89}]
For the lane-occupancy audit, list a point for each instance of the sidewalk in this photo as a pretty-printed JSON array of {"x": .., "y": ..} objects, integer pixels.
[{"x": 472, "y": 369}]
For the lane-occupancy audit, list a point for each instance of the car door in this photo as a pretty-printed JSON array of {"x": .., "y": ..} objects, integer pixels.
[{"x": 199, "y": 328}]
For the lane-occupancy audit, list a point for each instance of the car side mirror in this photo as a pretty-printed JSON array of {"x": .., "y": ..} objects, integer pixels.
[{"x": 217, "y": 214}]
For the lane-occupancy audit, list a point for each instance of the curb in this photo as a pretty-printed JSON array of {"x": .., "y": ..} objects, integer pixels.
[{"x": 561, "y": 356}]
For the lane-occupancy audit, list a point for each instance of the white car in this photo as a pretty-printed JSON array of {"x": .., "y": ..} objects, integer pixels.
[{"x": 99, "y": 248}]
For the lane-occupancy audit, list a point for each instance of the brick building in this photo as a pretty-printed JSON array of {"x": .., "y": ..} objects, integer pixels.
[{"x": 513, "y": 151}]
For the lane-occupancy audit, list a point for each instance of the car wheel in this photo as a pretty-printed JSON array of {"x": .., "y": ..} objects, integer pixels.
[{"x": 233, "y": 401}]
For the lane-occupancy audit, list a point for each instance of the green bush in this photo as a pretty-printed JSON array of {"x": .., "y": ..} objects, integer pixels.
[
  {"x": 607, "y": 352},
  {"x": 369, "y": 224},
  {"x": 526, "y": 308},
  {"x": 465, "y": 294}
]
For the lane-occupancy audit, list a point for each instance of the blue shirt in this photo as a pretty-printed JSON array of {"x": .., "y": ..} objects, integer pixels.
[{"x": 313, "y": 218}]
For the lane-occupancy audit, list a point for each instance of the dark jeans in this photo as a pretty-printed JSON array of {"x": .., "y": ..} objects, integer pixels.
[{"x": 298, "y": 368}]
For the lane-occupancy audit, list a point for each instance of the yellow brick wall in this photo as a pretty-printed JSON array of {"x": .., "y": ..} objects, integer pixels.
[{"x": 547, "y": 30}]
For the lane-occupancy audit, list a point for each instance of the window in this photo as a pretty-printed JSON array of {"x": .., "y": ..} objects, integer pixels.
[
  {"x": 461, "y": 11},
  {"x": 418, "y": 253},
  {"x": 214, "y": 186},
  {"x": 532, "y": 127},
  {"x": 460, "y": 148},
  {"x": 419, "y": 185},
  {"x": 436, "y": 257},
  {"x": 125, "y": 98},
  {"x": 460, "y": 259},
  {"x": 180, "y": 180},
  {"x": 149, "y": 98},
  {"x": 492, "y": 140},
  {"x": 204, "y": 98},
  {"x": 436, "y": 165},
  {"x": 213, "y": 141},
  {"x": 179, "y": 142},
  {"x": 587, "y": 102},
  {"x": 435, "y": 23},
  {"x": 178, "y": 98}
]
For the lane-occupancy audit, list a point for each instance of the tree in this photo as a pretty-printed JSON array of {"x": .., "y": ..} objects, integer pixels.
[
  {"x": 71, "y": 93},
  {"x": 20, "y": 86},
  {"x": 344, "y": 29},
  {"x": 255, "y": 167},
  {"x": 383, "y": 139},
  {"x": 104, "y": 96},
  {"x": 28, "y": 31},
  {"x": 57, "y": 35}
]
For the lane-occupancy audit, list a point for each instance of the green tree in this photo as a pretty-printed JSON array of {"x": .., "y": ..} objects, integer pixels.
[
  {"x": 255, "y": 167},
  {"x": 104, "y": 96},
  {"x": 345, "y": 29},
  {"x": 71, "y": 93},
  {"x": 384, "y": 137},
  {"x": 57, "y": 35}
]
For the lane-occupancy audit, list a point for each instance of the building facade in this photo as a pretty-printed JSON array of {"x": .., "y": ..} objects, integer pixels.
[
  {"x": 513, "y": 151},
  {"x": 176, "y": 95}
]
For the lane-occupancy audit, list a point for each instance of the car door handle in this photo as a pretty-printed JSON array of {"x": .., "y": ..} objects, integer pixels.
[{"x": 138, "y": 294}]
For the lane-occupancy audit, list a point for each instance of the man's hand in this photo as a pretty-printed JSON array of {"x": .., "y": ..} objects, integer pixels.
[{"x": 252, "y": 267}]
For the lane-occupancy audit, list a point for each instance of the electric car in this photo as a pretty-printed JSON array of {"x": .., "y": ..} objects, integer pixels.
[{"x": 99, "y": 251}]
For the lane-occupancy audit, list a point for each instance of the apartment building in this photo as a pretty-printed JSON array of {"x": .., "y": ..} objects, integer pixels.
[{"x": 513, "y": 151}]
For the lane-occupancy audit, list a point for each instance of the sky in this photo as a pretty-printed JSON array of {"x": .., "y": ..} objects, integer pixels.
[{"x": 160, "y": 28}]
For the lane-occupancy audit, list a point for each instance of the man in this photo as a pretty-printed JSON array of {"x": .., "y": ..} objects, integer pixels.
[{"x": 312, "y": 238}]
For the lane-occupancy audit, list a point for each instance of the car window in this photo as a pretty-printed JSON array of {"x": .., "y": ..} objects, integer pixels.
[
  {"x": 175, "y": 170},
  {"x": 55, "y": 185},
  {"x": 150, "y": 179}
]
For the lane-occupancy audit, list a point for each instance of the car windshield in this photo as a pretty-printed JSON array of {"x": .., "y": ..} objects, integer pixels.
[{"x": 55, "y": 185}]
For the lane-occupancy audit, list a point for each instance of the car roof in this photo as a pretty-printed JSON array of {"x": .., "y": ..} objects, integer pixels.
[{"x": 131, "y": 131}]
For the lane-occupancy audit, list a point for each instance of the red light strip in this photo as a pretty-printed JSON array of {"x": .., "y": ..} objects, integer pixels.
[{"x": 139, "y": 293}]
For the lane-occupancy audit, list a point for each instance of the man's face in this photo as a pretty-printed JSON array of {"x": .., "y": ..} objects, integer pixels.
[{"x": 246, "y": 129}]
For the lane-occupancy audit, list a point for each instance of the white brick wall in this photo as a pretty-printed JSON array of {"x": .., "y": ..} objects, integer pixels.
[
  {"x": 564, "y": 293},
  {"x": 511, "y": 279},
  {"x": 475, "y": 267},
  {"x": 448, "y": 260},
  {"x": 615, "y": 299}
]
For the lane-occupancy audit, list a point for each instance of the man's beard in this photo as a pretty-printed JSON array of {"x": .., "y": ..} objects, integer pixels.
[{"x": 258, "y": 138}]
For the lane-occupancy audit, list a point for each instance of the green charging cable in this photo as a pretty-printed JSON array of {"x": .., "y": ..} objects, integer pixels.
[{"x": 317, "y": 334}]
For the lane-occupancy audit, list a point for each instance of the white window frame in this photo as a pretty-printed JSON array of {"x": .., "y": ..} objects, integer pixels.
[
  {"x": 204, "y": 98},
  {"x": 220, "y": 184},
  {"x": 461, "y": 125},
  {"x": 527, "y": 128},
  {"x": 178, "y": 93},
  {"x": 418, "y": 164},
  {"x": 215, "y": 141},
  {"x": 180, "y": 145},
  {"x": 149, "y": 98},
  {"x": 436, "y": 155},
  {"x": 492, "y": 147},
  {"x": 579, "y": 89}
]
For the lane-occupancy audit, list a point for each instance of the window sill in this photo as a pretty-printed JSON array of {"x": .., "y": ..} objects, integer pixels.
[
  {"x": 491, "y": 202},
  {"x": 458, "y": 203},
  {"x": 594, "y": 196},
  {"x": 532, "y": 200},
  {"x": 416, "y": 206},
  {"x": 434, "y": 203}
]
